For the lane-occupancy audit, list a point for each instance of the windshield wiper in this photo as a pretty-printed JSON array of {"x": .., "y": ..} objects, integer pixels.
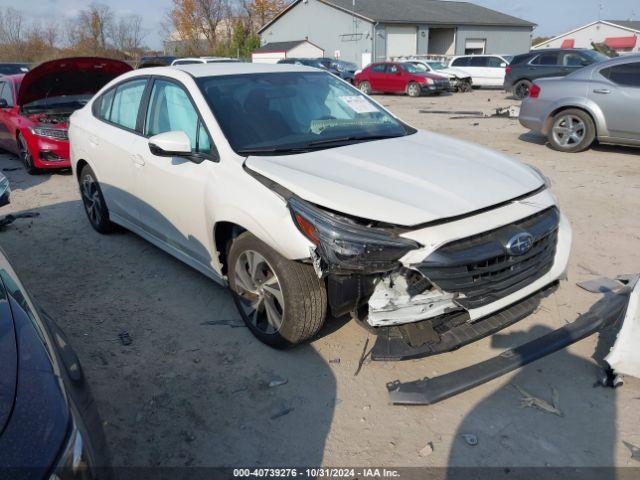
[
  {"x": 274, "y": 150},
  {"x": 361, "y": 138}
]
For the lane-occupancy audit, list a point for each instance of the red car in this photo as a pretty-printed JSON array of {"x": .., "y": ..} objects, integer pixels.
[
  {"x": 405, "y": 77},
  {"x": 35, "y": 107}
]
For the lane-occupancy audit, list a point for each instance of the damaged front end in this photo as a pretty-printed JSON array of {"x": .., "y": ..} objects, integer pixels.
[{"x": 422, "y": 309}]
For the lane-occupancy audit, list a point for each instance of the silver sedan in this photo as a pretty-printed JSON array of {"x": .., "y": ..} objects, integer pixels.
[{"x": 599, "y": 102}]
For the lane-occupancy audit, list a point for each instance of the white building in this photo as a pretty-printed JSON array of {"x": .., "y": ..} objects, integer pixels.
[
  {"x": 623, "y": 36},
  {"x": 273, "y": 52}
]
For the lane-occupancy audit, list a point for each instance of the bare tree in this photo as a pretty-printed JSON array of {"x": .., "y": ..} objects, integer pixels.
[
  {"x": 91, "y": 28},
  {"x": 127, "y": 34},
  {"x": 199, "y": 22},
  {"x": 11, "y": 26}
]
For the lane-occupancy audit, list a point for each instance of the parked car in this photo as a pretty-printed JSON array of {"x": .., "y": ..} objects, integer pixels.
[
  {"x": 459, "y": 80},
  {"x": 155, "y": 61},
  {"x": 526, "y": 68},
  {"x": 321, "y": 63},
  {"x": 485, "y": 70},
  {"x": 392, "y": 77},
  {"x": 310, "y": 200},
  {"x": 13, "y": 68},
  {"x": 49, "y": 425},
  {"x": 598, "y": 102},
  {"x": 35, "y": 107},
  {"x": 196, "y": 60},
  {"x": 344, "y": 70}
]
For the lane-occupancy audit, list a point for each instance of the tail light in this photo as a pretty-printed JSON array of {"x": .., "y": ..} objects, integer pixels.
[
  {"x": 534, "y": 91},
  {"x": 507, "y": 71}
]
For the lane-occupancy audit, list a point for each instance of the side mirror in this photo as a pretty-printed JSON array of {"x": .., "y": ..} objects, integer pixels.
[
  {"x": 3, "y": 103},
  {"x": 503, "y": 65},
  {"x": 170, "y": 144}
]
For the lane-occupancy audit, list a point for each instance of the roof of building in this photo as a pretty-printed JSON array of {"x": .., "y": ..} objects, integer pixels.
[
  {"x": 279, "y": 46},
  {"x": 632, "y": 24},
  {"x": 433, "y": 12}
]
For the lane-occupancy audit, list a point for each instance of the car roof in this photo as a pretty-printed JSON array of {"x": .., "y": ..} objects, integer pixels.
[{"x": 218, "y": 69}]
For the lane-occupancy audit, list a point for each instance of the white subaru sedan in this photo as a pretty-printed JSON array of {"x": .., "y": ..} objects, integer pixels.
[{"x": 311, "y": 201}]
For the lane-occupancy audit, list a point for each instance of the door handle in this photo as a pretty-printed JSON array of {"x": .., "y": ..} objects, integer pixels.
[
  {"x": 602, "y": 91},
  {"x": 137, "y": 160}
]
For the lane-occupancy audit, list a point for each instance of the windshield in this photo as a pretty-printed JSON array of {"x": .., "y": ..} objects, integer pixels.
[
  {"x": 13, "y": 68},
  {"x": 414, "y": 67},
  {"x": 437, "y": 65},
  {"x": 61, "y": 104},
  {"x": 595, "y": 56},
  {"x": 290, "y": 112}
]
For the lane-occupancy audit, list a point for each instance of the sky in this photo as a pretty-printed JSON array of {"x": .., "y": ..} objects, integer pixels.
[{"x": 552, "y": 16}]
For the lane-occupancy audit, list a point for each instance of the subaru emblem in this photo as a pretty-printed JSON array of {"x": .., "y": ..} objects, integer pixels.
[{"x": 520, "y": 244}]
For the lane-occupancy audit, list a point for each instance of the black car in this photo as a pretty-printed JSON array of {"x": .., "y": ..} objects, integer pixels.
[
  {"x": 160, "y": 61},
  {"x": 322, "y": 63},
  {"x": 345, "y": 70},
  {"x": 550, "y": 62},
  {"x": 49, "y": 425},
  {"x": 13, "y": 68}
]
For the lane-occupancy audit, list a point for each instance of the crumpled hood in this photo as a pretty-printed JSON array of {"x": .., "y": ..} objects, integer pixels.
[
  {"x": 453, "y": 71},
  {"x": 403, "y": 181},
  {"x": 69, "y": 76}
]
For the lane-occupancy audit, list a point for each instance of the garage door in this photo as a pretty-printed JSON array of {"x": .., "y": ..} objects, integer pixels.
[{"x": 402, "y": 41}]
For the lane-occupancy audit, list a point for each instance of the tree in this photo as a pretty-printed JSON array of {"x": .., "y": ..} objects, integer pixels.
[
  {"x": 262, "y": 12},
  {"x": 90, "y": 29},
  {"x": 539, "y": 40},
  {"x": 127, "y": 34},
  {"x": 199, "y": 22},
  {"x": 11, "y": 27}
]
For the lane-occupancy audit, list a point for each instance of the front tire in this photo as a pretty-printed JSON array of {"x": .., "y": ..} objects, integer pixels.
[
  {"x": 94, "y": 205},
  {"x": 413, "y": 89},
  {"x": 365, "y": 87},
  {"x": 282, "y": 302},
  {"x": 26, "y": 157},
  {"x": 572, "y": 131}
]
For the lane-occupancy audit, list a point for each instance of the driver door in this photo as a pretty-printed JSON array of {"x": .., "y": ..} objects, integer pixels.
[{"x": 172, "y": 190}]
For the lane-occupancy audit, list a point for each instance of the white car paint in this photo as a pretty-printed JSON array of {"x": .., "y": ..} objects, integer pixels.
[
  {"x": 483, "y": 76},
  {"x": 177, "y": 204},
  {"x": 624, "y": 357}
]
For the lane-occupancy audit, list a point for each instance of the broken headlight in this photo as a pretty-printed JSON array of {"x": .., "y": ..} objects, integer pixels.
[{"x": 345, "y": 245}]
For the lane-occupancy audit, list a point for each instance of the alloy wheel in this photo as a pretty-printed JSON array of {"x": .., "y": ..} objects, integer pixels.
[
  {"x": 25, "y": 155},
  {"x": 569, "y": 130},
  {"x": 91, "y": 199},
  {"x": 522, "y": 90},
  {"x": 260, "y": 292},
  {"x": 414, "y": 90},
  {"x": 365, "y": 88}
]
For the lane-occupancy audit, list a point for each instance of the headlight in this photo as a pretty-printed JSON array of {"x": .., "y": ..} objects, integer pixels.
[
  {"x": 47, "y": 132},
  {"x": 543, "y": 177},
  {"x": 74, "y": 462},
  {"x": 427, "y": 80},
  {"x": 344, "y": 245}
]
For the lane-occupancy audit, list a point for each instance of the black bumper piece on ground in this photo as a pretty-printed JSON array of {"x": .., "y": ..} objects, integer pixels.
[
  {"x": 429, "y": 391},
  {"x": 399, "y": 342}
]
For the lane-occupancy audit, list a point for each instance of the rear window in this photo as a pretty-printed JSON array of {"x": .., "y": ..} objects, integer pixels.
[
  {"x": 479, "y": 62},
  {"x": 627, "y": 74},
  {"x": 461, "y": 62}
]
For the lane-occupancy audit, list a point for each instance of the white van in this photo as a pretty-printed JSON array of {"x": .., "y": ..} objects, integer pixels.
[{"x": 485, "y": 70}]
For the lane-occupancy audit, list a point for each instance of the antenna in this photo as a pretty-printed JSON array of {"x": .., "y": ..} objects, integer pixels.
[{"x": 600, "y": 8}]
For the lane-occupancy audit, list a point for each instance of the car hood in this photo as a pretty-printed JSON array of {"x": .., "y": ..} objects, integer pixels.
[
  {"x": 69, "y": 76},
  {"x": 456, "y": 72},
  {"x": 405, "y": 181}
]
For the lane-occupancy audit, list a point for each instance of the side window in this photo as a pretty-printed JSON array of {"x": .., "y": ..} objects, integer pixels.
[
  {"x": 379, "y": 68},
  {"x": 461, "y": 62},
  {"x": 393, "y": 69},
  {"x": 102, "y": 108},
  {"x": 6, "y": 93},
  {"x": 573, "y": 60},
  {"x": 627, "y": 74},
  {"x": 126, "y": 103},
  {"x": 170, "y": 110},
  {"x": 479, "y": 62},
  {"x": 495, "y": 62},
  {"x": 546, "y": 59}
]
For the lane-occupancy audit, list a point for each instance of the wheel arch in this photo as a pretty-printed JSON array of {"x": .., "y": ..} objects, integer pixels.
[
  {"x": 223, "y": 234},
  {"x": 596, "y": 116}
]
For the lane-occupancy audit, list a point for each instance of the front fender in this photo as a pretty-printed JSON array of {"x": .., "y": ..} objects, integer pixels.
[{"x": 582, "y": 103}]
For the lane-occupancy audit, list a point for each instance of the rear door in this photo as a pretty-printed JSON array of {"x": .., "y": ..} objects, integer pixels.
[
  {"x": 547, "y": 64},
  {"x": 479, "y": 69},
  {"x": 495, "y": 69},
  {"x": 616, "y": 90}
]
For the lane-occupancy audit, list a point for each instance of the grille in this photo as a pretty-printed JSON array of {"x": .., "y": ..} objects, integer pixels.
[{"x": 481, "y": 268}]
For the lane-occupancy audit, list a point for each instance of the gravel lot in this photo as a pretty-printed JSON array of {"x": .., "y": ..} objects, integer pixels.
[{"x": 193, "y": 387}]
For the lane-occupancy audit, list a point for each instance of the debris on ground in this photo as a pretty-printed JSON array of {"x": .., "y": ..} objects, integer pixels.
[
  {"x": 9, "y": 219},
  {"x": 601, "y": 285},
  {"x": 427, "y": 450},
  {"x": 470, "y": 439},
  {"x": 529, "y": 400},
  {"x": 282, "y": 413},
  {"x": 334, "y": 360},
  {"x": 511, "y": 111},
  {"x": 11, "y": 169},
  {"x": 228, "y": 323},
  {"x": 125, "y": 338},
  {"x": 363, "y": 357},
  {"x": 635, "y": 451},
  {"x": 276, "y": 382}
]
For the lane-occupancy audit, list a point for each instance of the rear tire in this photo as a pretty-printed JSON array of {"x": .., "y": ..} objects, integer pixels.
[
  {"x": 521, "y": 89},
  {"x": 26, "y": 157},
  {"x": 572, "y": 131},
  {"x": 282, "y": 302},
  {"x": 94, "y": 205},
  {"x": 413, "y": 89},
  {"x": 365, "y": 87}
]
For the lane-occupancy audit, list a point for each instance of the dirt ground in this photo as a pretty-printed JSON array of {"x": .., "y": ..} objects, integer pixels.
[{"x": 193, "y": 386}]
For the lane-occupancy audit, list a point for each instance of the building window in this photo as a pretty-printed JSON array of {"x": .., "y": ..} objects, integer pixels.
[{"x": 475, "y": 46}]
